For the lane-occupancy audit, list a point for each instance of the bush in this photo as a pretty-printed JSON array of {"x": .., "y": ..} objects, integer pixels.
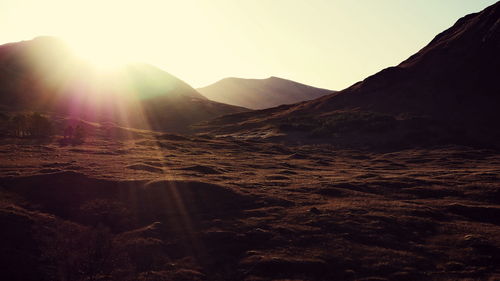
[
  {"x": 358, "y": 121},
  {"x": 106, "y": 212},
  {"x": 339, "y": 122},
  {"x": 74, "y": 253},
  {"x": 74, "y": 136}
]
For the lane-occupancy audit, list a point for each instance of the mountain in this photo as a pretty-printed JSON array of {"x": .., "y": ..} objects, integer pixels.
[
  {"x": 44, "y": 75},
  {"x": 447, "y": 92},
  {"x": 260, "y": 93}
]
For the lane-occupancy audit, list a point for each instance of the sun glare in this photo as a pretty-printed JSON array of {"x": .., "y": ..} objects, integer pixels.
[
  {"x": 103, "y": 57},
  {"x": 202, "y": 41}
]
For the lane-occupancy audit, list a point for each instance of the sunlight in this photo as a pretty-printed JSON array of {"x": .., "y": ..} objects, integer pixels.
[
  {"x": 202, "y": 41},
  {"x": 103, "y": 57}
]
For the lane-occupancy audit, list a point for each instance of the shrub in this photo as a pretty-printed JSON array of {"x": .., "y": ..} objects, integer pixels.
[
  {"x": 74, "y": 253},
  {"x": 112, "y": 214},
  {"x": 339, "y": 122}
]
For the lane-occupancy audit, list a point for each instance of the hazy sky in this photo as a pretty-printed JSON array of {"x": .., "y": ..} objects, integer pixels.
[{"x": 324, "y": 43}]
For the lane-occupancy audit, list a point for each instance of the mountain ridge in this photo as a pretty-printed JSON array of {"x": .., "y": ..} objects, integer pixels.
[
  {"x": 446, "y": 92},
  {"x": 260, "y": 93},
  {"x": 43, "y": 75}
]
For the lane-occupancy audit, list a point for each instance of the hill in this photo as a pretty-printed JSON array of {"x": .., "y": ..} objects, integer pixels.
[
  {"x": 43, "y": 75},
  {"x": 260, "y": 93},
  {"x": 447, "y": 92}
]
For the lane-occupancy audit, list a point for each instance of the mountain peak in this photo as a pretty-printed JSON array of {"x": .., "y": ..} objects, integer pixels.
[
  {"x": 46, "y": 38},
  {"x": 275, "y": 78},
  {"x": 475, "y": 31},
  {"x": 260, "y": 93}
]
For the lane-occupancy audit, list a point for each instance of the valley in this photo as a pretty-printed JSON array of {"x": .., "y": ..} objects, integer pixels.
[
  {"x": 133, "y": 174},
  {"x": 227, "y": 209}
]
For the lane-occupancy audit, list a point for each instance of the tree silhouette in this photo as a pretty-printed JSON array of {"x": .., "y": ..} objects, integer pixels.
[
  {"x": 79, "y": 135},
  {"x": 34, "y": 125},
  {"x": 39, "y": 126},
  {"x": 4, "y": 124},
  {"x": 68, "y": 133},
  {"x": 19, "y": 124}
]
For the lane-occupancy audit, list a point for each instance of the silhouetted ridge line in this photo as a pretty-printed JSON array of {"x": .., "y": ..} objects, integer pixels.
[{"x": 261, "y": 93}]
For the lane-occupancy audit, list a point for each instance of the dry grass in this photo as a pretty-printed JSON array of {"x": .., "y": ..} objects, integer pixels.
[{"x": 224, "y": 209}]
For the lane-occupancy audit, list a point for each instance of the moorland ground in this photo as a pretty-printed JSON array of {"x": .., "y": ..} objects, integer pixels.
[{"x": 205, "y": 208}]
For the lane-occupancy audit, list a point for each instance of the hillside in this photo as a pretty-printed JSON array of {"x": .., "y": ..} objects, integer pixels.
[
  {"x": 447, "y": 92},
  {"x": 261, "y": 93},
  {"x": 43, "y": 75}
]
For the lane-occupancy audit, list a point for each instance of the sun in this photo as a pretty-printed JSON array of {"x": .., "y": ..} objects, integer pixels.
[{"x": 103, "y": 56}]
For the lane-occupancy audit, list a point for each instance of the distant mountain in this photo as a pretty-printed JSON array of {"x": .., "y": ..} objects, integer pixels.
[
  {"x": 448, "y": 92},
  {"x": 43, "y": 75},
  {"x": 260, "y": 93}
]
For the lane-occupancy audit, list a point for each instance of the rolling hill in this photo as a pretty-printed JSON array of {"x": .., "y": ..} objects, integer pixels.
[
  {"x": 43, "y": 75},
  {"x": 260, "y": 93}
]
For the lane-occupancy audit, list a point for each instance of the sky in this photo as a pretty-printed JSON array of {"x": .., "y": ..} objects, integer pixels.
[{"x": 324, "y": 43}]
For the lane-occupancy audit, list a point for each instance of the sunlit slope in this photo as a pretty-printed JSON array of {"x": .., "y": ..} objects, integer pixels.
[
  {"x": 43, "y": 75},
  {"x": 30, "y": 69},
  {"x": 447, "y": 92},
  {"x": 261, "y": 93}
]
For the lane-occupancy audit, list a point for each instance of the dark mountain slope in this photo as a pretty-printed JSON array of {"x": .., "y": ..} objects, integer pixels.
[
  {"x": 261, "y": 93},
  {"x": 447, "y": 92},
  {"x": 451, "y": 78}
]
